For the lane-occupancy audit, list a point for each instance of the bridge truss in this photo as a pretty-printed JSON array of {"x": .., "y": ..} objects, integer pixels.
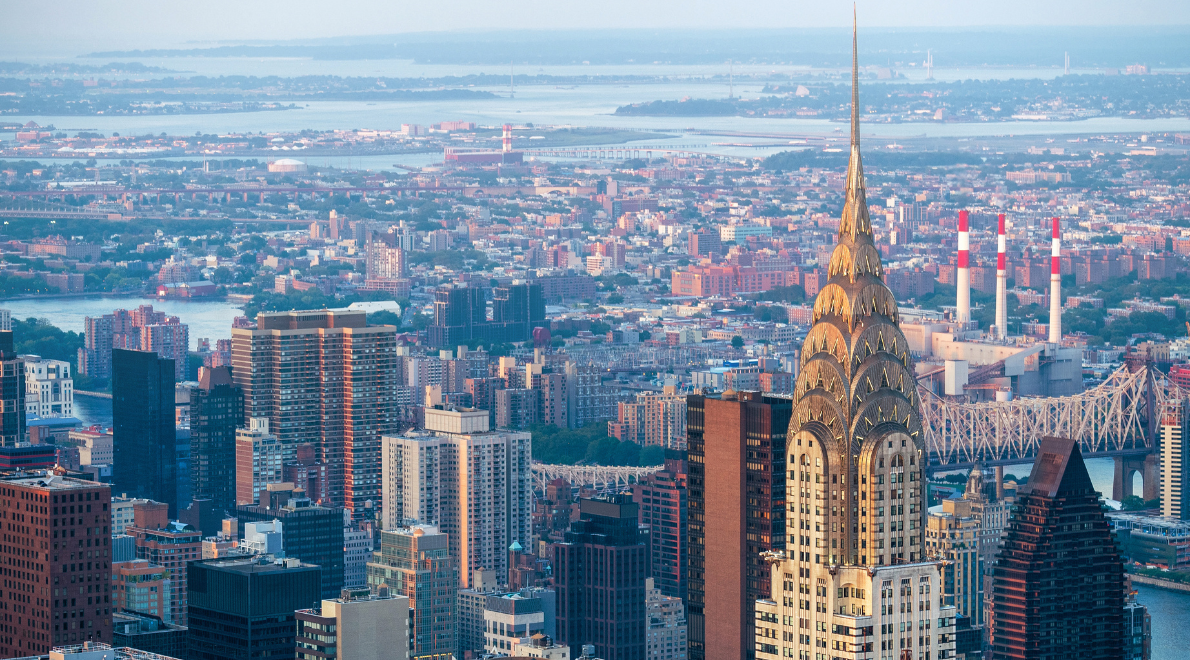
[
  {"x": 1111, "y": 419},
  {"x": 601, "y": 478}
]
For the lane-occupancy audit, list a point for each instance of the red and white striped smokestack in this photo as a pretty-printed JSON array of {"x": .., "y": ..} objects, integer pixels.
[
  {"x": 507, "y": 138},
  {"x": 1001, "y": 282},
  {"x": 1056, "y": 287},
  {"x": 963, "y": 275}
]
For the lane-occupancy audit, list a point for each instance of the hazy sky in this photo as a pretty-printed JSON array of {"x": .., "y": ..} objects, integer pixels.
[{"x": 156, "y": 23}]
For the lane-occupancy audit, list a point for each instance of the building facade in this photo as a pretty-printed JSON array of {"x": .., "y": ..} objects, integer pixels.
[
  {"x": 471, "y": 483},
  {"x": 259, "y": 460},
  {"x": 146, "y": 461},
  {"x": 736, "y": 450},
  {"x": 323, "y": 377},
  {"x": 216, "y": 409},
  {"x": 1058, "y": 583},
  {"x": 853, "y": 580},
  {"x": 12, "y": 393},
  {"x": 415, "y": 562},
  {"x": 665, "y": 637},
  {"x": 57, "y": 515},
  {"x": 311, "y": 533},
  {"x": 662, "y": 498},
  {"x": 356, "y": 626},
  {"x": 49, "y": 388},
  {"x": 247, "y": 607},
  {"x": 599, "y": 574}
]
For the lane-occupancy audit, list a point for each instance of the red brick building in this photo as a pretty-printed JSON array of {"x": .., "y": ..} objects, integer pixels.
[
  {"x": 736, "y": 454},
  {"x": 57, "y": 563}
]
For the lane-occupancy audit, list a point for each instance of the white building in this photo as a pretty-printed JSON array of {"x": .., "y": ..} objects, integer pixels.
[
  {"x": 473, "y": 483},
  {"x": 739, "y": 233},
  {"x": 665, "y": 625},
  {"x": 122, "y": 515},
  {"x": 510, "y": 618},
  {"x": 357, "y": 551},
  {"x": 259, "y": 460},
  {"x": 263, "y": 538},
  {"x": 49, "y": 387},
  {"x": 95, "y": 446},
  {"x": 540, "y": 646},
  {"x": 356, "y": 626}
]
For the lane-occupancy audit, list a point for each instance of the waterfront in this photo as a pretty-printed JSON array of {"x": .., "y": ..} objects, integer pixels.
[{"x": 209, "y": 319}]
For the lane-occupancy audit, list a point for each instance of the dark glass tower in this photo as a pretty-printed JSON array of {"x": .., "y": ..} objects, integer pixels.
[
  {"x": 216, "y": 409},
  {"x": 143, "y": 427},
  {"x": 12, "y": 393},
  {"x": 1058, "y": 583},
  {"x": 736, "y": 454},
  {"x": 599, "y": 574}
]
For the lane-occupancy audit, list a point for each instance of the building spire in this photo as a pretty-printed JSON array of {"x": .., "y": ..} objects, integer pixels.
[
  {"x": 855, "y": 222},
  {"x": 854, "y": 81}
]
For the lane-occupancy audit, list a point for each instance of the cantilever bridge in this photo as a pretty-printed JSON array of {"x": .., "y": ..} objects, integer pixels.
[{"x": 1118, "y": 419}]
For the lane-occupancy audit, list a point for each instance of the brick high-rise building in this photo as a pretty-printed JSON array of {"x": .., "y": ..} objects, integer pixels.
[
  {"x": 171, "y": 545},
  {"x": 599, "y": 574},
  {"x": 325, "y": 377},
  {"x": 57, "y": 559},
  {"x": 259, "y": 460},
  {"x": 216, "y": 409},
  {"x": 139, "y": 329},
  {"x": 661, "y": 497},
  {"x": 143, "y": 436},
  {"x": 1058, "y": 583},
  {"x": 736, "y": 450}
]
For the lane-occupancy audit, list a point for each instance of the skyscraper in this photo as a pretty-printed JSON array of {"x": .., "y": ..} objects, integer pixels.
[
  {"x": 853, "y": 574},
  {"x": 325, "y": 377},
  {"x": 143, "y": 434},
  {"x": 247, "y": 607},
  {"x": 51, "y": 559},
  {"x": 473, "y": 484},
  {"x": 139, "y": 329},
  {"x": 662, "y": 497},
  {"x": 599, "y": 574},
  {"x": 1058, "y": 583},
  {"x": 415, "y": 562},
  {"x": 311, "y": 533},
  {"x": 216, "y": 409},
  {"x": 457, "y": 310},
  {"x": 460, "y": 315},
  {"x": 737, "y": 494},
  {"x": 259, "y": 460},
  {"x": 12, "y": 393}
]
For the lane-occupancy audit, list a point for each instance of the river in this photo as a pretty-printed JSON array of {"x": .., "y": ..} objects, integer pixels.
[{"x": 208, "y": 318}]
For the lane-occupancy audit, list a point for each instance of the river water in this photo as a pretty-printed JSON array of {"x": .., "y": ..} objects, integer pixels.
[{"x": 208, "y": 319}]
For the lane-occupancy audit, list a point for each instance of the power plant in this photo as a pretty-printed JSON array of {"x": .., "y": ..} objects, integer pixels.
[{"x": 956, "y": 358}]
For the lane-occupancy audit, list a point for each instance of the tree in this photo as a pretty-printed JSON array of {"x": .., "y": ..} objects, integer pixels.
[{"x": 737, "y": 342}]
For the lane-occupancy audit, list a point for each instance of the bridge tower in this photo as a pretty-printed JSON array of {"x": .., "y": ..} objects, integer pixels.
[{"x": 1149, "y": 465}]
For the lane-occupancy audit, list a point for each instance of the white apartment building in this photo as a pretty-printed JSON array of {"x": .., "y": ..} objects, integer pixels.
[
  {"x": 49, "y": 387},
  {"x": 474, "y": 484},
  {"x": 665, "y": 625},
  {"x": 259, "y": 460}
]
